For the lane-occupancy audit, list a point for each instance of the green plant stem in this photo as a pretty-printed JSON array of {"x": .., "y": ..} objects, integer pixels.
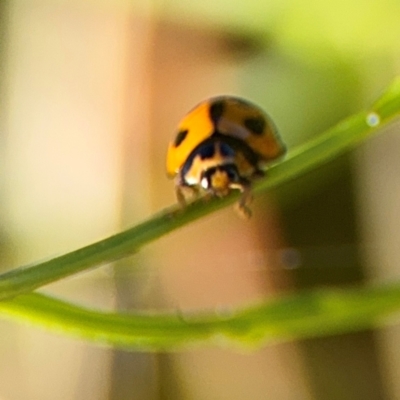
[
  {"x": 301, "y": 315},
  {"x": 337, "y": 140}
]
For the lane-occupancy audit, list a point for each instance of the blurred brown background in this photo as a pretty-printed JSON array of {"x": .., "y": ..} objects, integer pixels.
[{"x": 91, "y": 93}]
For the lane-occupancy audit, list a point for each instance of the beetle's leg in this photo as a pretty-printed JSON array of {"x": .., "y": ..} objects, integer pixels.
[
  {"x": 180, "y": 196},
  {"x": 184, "y": 192},
  {"x": 242, "y": 206}
]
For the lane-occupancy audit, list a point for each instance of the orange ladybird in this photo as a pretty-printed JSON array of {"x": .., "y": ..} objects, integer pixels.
[{"x": 222, "y": 144}]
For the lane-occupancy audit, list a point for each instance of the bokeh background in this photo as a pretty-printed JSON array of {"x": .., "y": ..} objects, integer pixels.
[{"x": 91, "y": 93}]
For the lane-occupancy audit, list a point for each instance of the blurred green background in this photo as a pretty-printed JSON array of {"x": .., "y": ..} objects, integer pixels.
[{"x": 91, "y": 92}]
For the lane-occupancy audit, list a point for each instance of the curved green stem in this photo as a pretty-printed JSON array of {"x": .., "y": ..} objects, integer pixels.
[
  {"x": 337, "y": 140},
  {"x": 301, "y": 315}
]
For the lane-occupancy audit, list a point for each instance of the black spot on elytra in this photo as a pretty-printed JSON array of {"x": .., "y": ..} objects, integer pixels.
[
  {"x": 216, "y": 111},
  {"x": 180, "y": 137},
  {"x": 255, "y": 125}
]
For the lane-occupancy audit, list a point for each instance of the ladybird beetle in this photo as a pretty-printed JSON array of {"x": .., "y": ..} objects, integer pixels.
[{"x": 222, "y": 144}]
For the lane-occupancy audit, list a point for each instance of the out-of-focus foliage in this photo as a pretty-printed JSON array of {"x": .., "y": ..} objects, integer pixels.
[
  {"x": 317, "y": 28},
  {"x": 313, "y": 29}
]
